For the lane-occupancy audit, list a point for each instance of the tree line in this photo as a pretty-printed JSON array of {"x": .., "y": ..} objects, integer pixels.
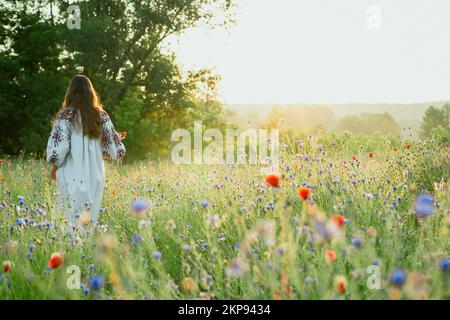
[
  {"x": 120, "y": 46},
  {"x": 435, "y": 123}
]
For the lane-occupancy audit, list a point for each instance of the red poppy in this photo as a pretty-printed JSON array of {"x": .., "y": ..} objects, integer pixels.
[
  {"x": 123, "y": 134},
  {"x": 341, "y": 285},
  {"x": 338, "y": 219},
  {"x": 353, "y": 158},
  {"x": 304, "y": 193},
  {"x": 395, "y": 149},
  {"x": 370, "y": 154},
  {"x": 56, "y": 260},
  {"x": 408, "y": 146},
  {"x": 273, "y": 180},
  {"x": 7, "y": 265},
  {"x": 330, "y": 256}
]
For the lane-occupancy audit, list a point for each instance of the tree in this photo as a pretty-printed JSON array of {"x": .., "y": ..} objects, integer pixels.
[
  {"x": 119, "y": 43},
  {"x": 369, "y": 123},
  {"x": 275, "y": 118},
  {"x": 435, "y": 117},
  {"x": 120, "y": 47},
  {"x": 32, "y": 79}
]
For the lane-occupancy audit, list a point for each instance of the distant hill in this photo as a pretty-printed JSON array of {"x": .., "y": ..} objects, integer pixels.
[{"x": 407, "y": 115}]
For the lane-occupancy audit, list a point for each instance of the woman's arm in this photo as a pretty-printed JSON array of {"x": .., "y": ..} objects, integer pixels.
[
  {"x": 112, "y": 145},
  {"x": 58, "y": 145},
  {"x": 53, "y": 172}
]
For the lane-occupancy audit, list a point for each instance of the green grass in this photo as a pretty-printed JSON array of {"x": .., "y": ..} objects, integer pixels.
[{"x": 283, "y": 264}]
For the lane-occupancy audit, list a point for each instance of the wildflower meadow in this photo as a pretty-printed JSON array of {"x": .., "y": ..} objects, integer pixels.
[{"x": 343, "y": 217}]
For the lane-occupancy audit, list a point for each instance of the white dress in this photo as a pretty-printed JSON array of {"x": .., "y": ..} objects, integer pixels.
[{"x": 81, "y": 170}]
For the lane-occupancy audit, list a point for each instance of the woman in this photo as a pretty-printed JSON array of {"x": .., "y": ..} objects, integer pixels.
[{"x": 82, "y": 135}]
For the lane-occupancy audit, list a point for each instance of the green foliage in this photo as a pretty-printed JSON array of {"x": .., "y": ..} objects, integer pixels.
[
  {"x": 369, "y": 123},
  {"x": 32, "y": 82},
  {"x": 440, "y": 135},
  {"x": 119, "y": 46},
  {"x": 435, "y": 118}
]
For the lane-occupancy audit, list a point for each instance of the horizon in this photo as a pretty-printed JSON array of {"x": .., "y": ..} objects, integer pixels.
[{"x": 338, "y": 103}]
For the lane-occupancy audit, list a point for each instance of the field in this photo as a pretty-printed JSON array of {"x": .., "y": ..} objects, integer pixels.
[{"x": 220, "y": 232}]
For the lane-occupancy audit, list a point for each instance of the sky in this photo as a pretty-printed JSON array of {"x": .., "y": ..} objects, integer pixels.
[{"x": 327, "y": 51}]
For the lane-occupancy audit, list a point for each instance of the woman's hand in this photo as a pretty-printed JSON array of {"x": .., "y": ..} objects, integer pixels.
[{"x": 53, "y": 173}]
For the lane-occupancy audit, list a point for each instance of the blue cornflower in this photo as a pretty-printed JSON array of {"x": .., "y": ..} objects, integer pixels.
[
  {"x": 357, "y": 242},
  {"x": 139, "y": 205},
  {"x": 444, "y": 264},
  {"x": 398, "y": 277},
  {"x": 137, "y": 239},
  {"x": 31, "y": 247},
  {"x": 156, "y": 255},
  {"x": 96, "y": 282},
  {"x": 204, "y": 203},
  {"x": 423, "y": 205},
  {"x": 91, "y": 267}
]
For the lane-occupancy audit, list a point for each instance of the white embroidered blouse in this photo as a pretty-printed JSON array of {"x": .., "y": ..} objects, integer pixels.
[{"x": 79, "y": 159}]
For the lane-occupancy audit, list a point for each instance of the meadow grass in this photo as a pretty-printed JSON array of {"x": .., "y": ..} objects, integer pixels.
[{"x": 224, "y": 234}]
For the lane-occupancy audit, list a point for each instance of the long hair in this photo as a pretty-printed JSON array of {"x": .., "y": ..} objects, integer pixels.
[{"x": 82, "y": 98}]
